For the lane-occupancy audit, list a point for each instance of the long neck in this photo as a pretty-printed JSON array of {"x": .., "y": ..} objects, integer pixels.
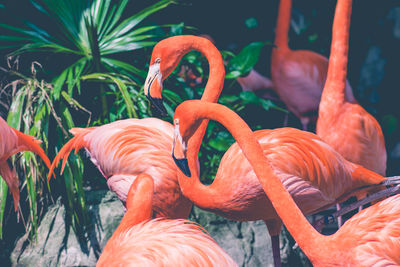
[
  {"x": 211, "y": 94},
  {"x": 212, "y": 90},
  {"x": 335, "y": 86},
  {"x": 305, "y": 235},
  {"x": 283, "y": 24},
  {"x": 139, "y": 204}
]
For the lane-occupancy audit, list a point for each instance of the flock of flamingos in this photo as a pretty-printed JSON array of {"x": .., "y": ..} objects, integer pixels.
[{"x": 278, "y": 175}]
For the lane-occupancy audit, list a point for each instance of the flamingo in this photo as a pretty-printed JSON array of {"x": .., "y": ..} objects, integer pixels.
[
  {"x": 144, "y": 146},
  {"x": 298, "y": 75},
  {"x": 315, "y": 175},
  {"x": 124, "y": 149},
  {"x": 140, "y": 241},
  {"x": 314, "y": 185},
  {"x": 12, "y": 142},
  {"x": 344, "y": 124},
  {"x": 370, "y": 238}
]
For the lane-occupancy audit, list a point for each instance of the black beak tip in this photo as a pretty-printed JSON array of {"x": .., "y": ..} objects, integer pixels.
[
  {"x": 158, "y": 103},
  {"x": 182, "y": 165}
]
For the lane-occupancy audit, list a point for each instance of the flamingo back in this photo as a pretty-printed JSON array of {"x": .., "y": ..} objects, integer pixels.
[
  {"x": 313, "y": 172},
  {"x": 123, "y": 149},
  {"x": 357, "y": 135},
  {"x": 373, "y": 235},
  {"x": 162, "y": 242}
]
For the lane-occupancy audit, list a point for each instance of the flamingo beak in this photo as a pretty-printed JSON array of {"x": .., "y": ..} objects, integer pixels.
[
  {"x": 153, "y": 88},
  {"x": 179, "y": 148},
  {"x": 158, "y": 104}
]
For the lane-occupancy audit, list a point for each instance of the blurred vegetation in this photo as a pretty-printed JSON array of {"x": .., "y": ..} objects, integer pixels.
[{"x": 80, "y": 63}]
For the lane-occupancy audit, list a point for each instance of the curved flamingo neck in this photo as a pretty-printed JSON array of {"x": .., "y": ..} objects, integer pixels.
[
  {"x": 283, "y": 24},
  {"x": 212, "y": 90},
  {"x": 310, "y": 241},
  {"x": 211, "y": 94},
  {"x": 335, "y": 86},
  {"x": 139, "y": 203}
]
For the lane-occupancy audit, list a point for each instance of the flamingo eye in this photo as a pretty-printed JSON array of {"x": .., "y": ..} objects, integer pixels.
[{"x": 158, "y": 60}]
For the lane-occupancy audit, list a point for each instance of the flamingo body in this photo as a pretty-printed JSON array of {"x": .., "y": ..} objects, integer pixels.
[
  {"x": 355, "y": 134},
  {"x": 373, "y": 235},
  {"x": 162, "y": 242},
  {"x": 315, "y": 175},
  {"x": 344, "y": 124},
  {"x": 124, "y": 149},
  {"x": 370, "y": 238},
  {"x": 13, "y": 141},
  {"x": 298, "y": 75},
  {"x": 138, "y": 241}
]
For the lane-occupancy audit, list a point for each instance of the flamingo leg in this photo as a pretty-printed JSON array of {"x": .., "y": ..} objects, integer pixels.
[
  {"x": 286, "y": 119},
  {"x": 274, "y": 229},
  {"x": 276, "y": 251},
  {"x": 340, "y": 221}
]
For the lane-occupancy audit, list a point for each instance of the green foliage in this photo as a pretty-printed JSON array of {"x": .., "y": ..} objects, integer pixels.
[
  {"x": 30, "y": 112},
  {"x": 93, "y": 33},
  {"x": 96, "y": 36},
  {"x": 243, "y": 63}
]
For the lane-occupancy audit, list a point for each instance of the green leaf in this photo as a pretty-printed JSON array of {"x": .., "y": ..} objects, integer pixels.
[
  {"x": 3, "y": 201},
  {"x": 249, "y": 97},
  {"x": 117, "y": 63},
  {"x": 16, "y": 110},
  {"x": 172, "y": 97},
  {"x": 246, "y": 59},
  {"x": 132, "y": 21},
  {"x": 221, "y": 142},
  {"x": 121, "y": 86}
]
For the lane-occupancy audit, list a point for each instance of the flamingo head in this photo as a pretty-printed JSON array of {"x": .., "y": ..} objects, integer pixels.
[
  {"x": 186, "y": 124},
  {"x": 164, "y": 59}
]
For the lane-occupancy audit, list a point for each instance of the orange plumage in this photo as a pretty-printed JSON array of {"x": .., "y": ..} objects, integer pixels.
[
  {"x": 314, "y": 183},
  {"x": 124, "y": 149},
  {"x": 315, "y": 175},
  {"x": 298, "y": 75},
  {"x": 344, "y": 124},
  {"x": 371, "y": 237},
  {"x": 13, "y": 141},
  {"x": 139, "y": 241}
]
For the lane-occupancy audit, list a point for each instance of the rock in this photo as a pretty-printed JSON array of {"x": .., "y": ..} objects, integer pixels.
[
  {"x": 57, "y": 243},
  {"x": 248, "y": 243}
]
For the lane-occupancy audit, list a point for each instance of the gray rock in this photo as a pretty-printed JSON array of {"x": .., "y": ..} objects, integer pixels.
[{"x": 57, "y": 243}]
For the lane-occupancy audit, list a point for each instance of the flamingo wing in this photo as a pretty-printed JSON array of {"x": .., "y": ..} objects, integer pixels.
[{"x": 374, "y": 234}]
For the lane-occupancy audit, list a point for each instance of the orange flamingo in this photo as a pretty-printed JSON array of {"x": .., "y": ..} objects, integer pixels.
[
  {"x": 13, "y": 141},
  {"x": 124, "y": 149},
  {"x": 344, "y": 124},
  {"x": 315, "y": 174},
  {"x": 298, "y": 76},
  {"x": 139, "y": 241},
  {"x": 370, "y": 238},
  {"x": 323, "y": 190}
]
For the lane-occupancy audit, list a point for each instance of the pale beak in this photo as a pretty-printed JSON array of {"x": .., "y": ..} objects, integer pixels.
[
  {"x": 179, "y": 149},
  {"x": 153, "y": 87}
]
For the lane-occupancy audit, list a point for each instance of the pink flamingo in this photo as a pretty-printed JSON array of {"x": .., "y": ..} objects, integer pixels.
[
  {"x": 370, "y": 238},
  {"x": 139, "y": 241},
  {"x": 312, "y": 177},
  {"x": 124, "y": 149},
  {"x": 12, "y": 142},
  {"x": 344, "y": 124},
  {"x": 298, "y": 75}
]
